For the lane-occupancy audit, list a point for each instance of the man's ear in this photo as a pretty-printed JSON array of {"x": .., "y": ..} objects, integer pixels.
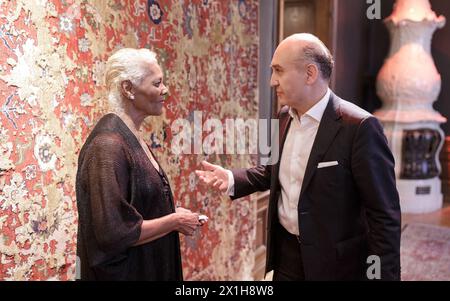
[
  {"x": 126, "y": 89},
  {"x": 312, "y": 73}
]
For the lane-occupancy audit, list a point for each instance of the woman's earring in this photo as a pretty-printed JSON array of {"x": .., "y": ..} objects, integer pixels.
[{"x": 132, "y": 97}]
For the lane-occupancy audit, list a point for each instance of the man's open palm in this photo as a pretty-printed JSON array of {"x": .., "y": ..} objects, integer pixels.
[{"x": 214, "y": 176}]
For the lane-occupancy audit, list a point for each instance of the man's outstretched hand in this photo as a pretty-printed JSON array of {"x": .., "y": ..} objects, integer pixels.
[{"x": 214, "y": 176}]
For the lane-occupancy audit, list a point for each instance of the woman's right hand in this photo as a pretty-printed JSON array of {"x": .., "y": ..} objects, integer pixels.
[{"x": 186, "y": 221}]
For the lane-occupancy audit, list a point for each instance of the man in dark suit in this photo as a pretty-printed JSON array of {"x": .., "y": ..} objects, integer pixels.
[{"x": 333, "y": 199}]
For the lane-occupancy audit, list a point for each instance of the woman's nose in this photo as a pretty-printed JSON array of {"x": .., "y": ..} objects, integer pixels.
[{"x": 164, "y": 91}]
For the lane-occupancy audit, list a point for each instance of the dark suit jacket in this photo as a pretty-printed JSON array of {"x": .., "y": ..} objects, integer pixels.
[{"x": 346, "y": 212}]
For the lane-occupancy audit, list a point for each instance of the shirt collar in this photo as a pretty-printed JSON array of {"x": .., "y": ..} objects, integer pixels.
[{"x": 316, "y": 112}]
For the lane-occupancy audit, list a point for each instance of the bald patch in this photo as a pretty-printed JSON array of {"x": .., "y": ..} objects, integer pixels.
[
  {"x": 302, "y": 40},
  {"x": 307, "y": 47}
]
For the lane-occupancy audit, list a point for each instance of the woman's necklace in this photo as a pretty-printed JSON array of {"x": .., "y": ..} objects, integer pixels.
[{"x": 130, "y": 124}]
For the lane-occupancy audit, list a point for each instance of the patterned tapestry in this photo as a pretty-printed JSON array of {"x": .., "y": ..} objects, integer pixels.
[{"x": 52, "y": 57}]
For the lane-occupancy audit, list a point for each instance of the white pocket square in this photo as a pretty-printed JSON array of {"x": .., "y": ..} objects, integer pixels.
[{"x": 327, "y": 164}]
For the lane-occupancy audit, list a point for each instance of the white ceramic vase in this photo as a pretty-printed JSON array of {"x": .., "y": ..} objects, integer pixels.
[{"x": 408, "y": 84}]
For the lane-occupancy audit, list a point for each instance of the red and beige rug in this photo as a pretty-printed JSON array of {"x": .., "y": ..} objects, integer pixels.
[{"x": 425, "y": 253}]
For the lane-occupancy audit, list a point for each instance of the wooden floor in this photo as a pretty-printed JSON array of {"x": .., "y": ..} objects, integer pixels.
[{"x": 439, "y": 218}]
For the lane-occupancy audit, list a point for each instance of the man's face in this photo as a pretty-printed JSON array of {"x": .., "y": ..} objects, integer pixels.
[{"x": 288, "y": 75}]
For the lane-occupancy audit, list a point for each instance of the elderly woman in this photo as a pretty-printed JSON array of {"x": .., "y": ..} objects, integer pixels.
[{"x": 128, "y": 224}]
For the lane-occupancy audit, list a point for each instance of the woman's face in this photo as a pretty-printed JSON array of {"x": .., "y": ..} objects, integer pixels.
[{"x": 149, "y": 96}]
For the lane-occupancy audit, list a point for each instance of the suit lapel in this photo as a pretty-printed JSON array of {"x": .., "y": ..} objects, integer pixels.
[
  {"x": 285, "y": 123},
  {"x": 328, "y": 129}
]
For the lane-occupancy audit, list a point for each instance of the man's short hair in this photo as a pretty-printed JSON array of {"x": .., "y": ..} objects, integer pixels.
[{"x": 322, "y": 57}]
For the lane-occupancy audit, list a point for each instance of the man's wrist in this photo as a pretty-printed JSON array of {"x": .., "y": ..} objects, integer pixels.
[{"x": 230, "y": 189}]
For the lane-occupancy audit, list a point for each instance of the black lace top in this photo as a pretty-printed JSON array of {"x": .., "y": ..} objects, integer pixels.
[{"x": 117, "y": 188}]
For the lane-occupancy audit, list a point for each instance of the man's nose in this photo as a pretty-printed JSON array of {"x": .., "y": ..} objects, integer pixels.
[{"x": 273, "y": 81}]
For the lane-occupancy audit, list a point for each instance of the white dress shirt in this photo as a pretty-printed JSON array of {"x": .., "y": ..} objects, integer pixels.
[{"x": 297, "y": 148}]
